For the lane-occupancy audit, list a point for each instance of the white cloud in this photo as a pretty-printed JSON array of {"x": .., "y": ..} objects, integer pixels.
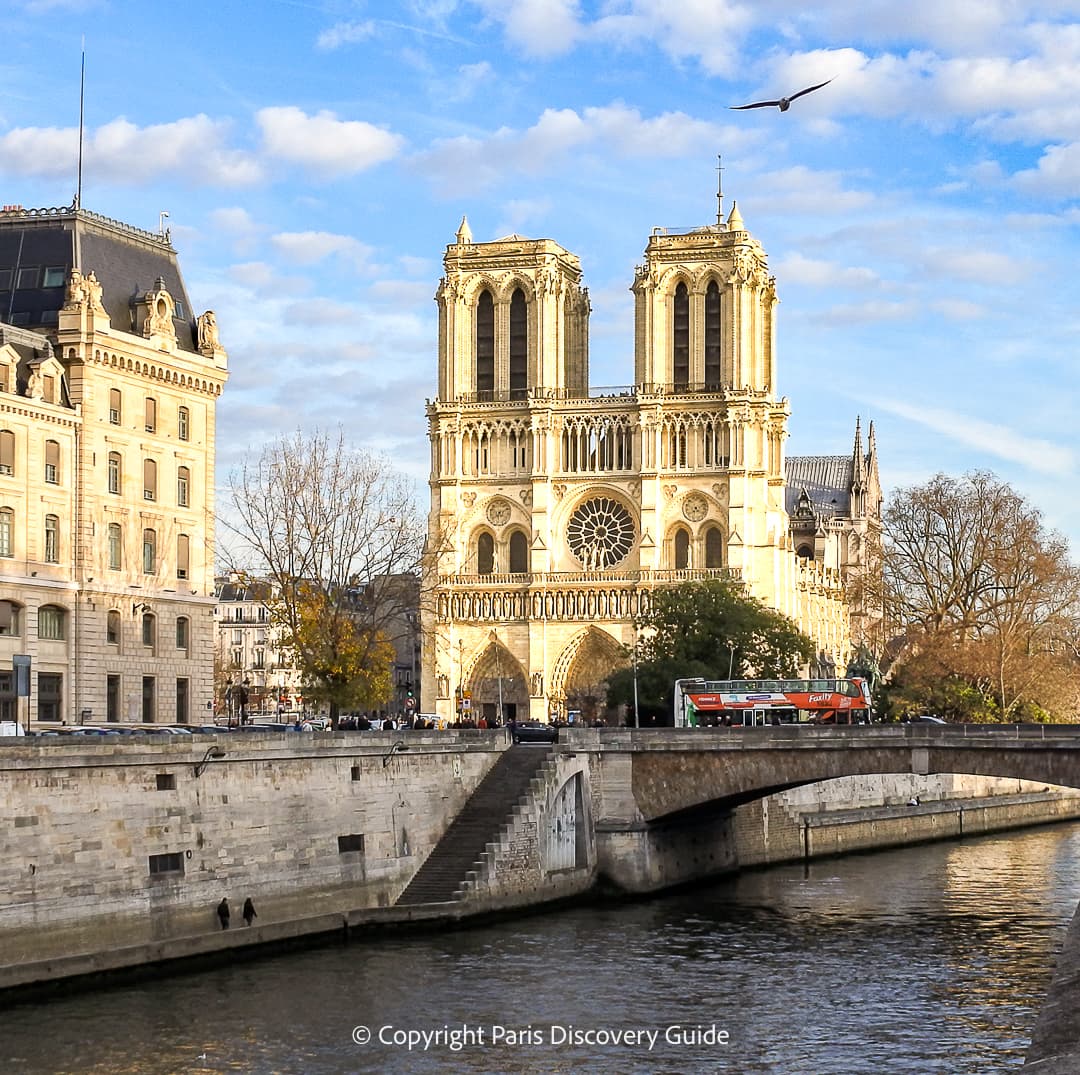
[
  {"x": 311, "y": 247},
  {"x": 540, "y": 28},
  {"x": 192, "y": 149},
  {"x": 960, "y": 309},
  {"x": 345, "y": 33},
  {"x": 323, "y": 143},
  {"x": 1056, "y": 174},
  {"x": 798, "y": 269},
  {"x": 990, "y": 437},
  {"x": 975, "y": 266},
  {"x": 466, "y": 163}
]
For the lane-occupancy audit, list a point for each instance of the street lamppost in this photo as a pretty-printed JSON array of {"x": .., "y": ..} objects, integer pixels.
[
  {"x": 731, "y": 656},
  {"x": 494, "y": 636}
]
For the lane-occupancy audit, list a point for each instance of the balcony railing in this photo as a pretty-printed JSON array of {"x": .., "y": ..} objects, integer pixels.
[{"x": 619, "y": 576}]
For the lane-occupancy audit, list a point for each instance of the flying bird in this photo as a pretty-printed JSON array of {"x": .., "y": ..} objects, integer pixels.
[{"x": 785, "y": 102}]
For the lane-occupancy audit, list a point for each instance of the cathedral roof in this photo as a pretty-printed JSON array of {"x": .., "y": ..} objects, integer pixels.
[
  {"x": 40, "y": 247},
  {"x": 827, "y": 480}
]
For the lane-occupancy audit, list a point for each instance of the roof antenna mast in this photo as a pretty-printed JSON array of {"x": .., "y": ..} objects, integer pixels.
[
  {"x": 82, "y": 94},
  {"x": 719, "y": 190}
]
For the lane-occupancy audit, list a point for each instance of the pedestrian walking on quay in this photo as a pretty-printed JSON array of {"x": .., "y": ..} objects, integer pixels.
[
  {"x": 249, "y": 911},
  {"x": 223, "y": 912}
]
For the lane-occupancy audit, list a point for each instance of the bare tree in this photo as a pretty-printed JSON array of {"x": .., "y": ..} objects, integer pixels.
[
  {"x": 334, "y": 530},
  {"x": 970, "y": 572}
]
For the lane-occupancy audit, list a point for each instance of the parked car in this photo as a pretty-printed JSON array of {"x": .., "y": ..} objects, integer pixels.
[{"x": 534, "y": 731}]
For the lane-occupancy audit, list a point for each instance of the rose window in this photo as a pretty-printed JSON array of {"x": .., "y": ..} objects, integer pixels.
[{"x": 600, "y": 533}]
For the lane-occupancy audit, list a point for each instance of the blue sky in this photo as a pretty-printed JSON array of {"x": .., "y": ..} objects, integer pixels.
[{"x": 920, "y": 213}]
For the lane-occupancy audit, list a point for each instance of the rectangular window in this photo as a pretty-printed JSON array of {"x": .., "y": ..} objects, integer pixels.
[
  {"x": 148, "y": 699},
  {"x": 48, "y": 388},
  {"x": 52, "y": 462},
  {"x": 149, "y": 552},
  {"x": 9, "y": 619},
  {"x": 5, "y": 279},
  {"x": 149, "y": 479},
  {"x": 112, "y": 699},
  {"x": 181, "y": 701},
  {"x": 112, "y": 628},
  {"x": 183, "y": 546},
  {"x": 183, "y": 482},
  {"x": 114, "y": 472},
  {"x": 7, "y": 532},
  {"x": 8, "y": 700},
  {"x": 148, "y": 632},
  {"x": 166, "y": 782},
  {"x": 114, "y": 406},
  {"x": 51, "y": 623},
  {"x": 7, "y": 452},
  {"x": 50, "y": 695},
  {"x": 52, "y": 539},
  {"x": 182, "y": 632},
  {"x": 28, "y": 278},
  {"x": 170, "y": 863},
  {"x": 55, "y": 276},
  {"x": 183, "y": 423},
  {"x": 116, "y": 549},
  {"x": 151, "y": 414},
  {"x": 352, "y": 842}
]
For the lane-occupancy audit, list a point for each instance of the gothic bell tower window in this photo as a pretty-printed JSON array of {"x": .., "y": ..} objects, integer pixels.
[
  {"x": 485, "y": 346},
  {"x": 519, "y": 346},
  {"x": 680, "y": 335},
  {"x": 712, "y": 336},
  {"x": 485, "y": 554}
]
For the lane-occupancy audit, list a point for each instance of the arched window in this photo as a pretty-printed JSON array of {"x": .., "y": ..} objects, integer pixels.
[
  {"x": 713, "y": 370},
  {"x": 714, "y": 547},
  {"x": 182, "y": 625},
  {"x": 680, "y": 338},
  {"x": 112, "y": 628},
  {"x": 114, "y": 472},
  {"x": 52, "y": 539},
  {"x": 485, "y": 345},
  {"x": 7, "y": 532},
  {"x": 51, "y": 622},
  {"x": 148, "y": 628},
  {"x": 485, "y": 554},
  {"x": 116, "y": 547},
  {"x": 805, "y": 552},
  {"x": 9, "y": 618},
  {"x": 682, "y": 550},
  {"x": 519, "y": 346},
  {"x": 183, "y": 487},
  {"x": 519, "y": 553}
]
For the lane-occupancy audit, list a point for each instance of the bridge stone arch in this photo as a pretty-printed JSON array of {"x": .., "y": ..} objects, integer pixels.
[{"x": 659, "y": 777}]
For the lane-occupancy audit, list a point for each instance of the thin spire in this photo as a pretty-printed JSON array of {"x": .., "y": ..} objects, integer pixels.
[
  {"x": 719, "y": 190},
  {"x": 858, "y": 460},
  {"x": 82, "y": 96}
]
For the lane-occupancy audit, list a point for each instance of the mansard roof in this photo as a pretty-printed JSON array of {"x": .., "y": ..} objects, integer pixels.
[
  {"x": 827, "y": 480},
  {"x": 127, "y": 262}
]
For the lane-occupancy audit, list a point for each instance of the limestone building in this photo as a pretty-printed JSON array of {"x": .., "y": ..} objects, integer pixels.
[
  {"x": 555, "y": 508},
  {"x": 108, "y": 390}
]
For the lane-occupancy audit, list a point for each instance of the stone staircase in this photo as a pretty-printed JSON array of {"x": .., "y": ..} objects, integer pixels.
[{"x": 442, "y": 876}]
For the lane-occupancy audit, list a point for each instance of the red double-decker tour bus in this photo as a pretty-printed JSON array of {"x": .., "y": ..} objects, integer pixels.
[{"x": 750, "y": 702}]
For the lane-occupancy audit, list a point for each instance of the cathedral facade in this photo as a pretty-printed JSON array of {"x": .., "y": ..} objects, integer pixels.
[{"x": 556, "y": 509}]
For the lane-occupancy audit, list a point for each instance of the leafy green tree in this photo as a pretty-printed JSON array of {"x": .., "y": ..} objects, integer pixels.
[{"x": 712, "y": 629}]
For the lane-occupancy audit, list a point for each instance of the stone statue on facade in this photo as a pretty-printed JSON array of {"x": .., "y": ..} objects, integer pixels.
[{"x": 208, "y": 333}]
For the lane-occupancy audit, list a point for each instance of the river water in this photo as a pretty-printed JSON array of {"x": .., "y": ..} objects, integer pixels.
[{"x": 922, "y": 960}]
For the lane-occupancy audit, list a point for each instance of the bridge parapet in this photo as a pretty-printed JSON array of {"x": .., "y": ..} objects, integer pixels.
[{"x": 646, "y": 776}]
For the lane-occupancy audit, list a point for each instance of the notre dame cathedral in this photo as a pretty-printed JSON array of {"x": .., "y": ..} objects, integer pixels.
[{"x": 555, "y": 509}]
